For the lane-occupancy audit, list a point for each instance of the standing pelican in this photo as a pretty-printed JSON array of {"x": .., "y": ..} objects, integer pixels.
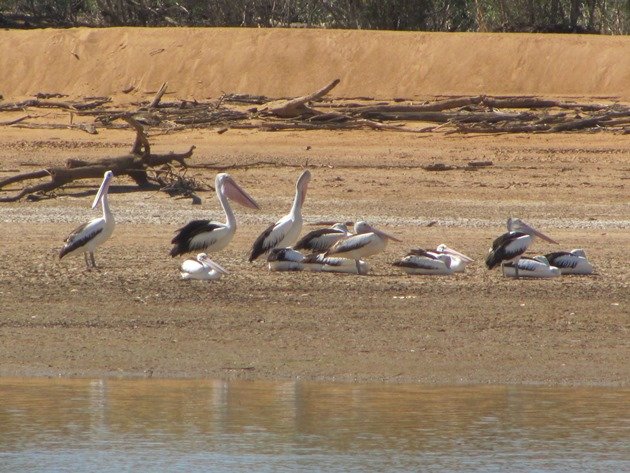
[
  {"x": 419, "y": 261},
  {"x": 201, "y": 268},
  {"x": 570, "y": 262},
  {"x": 213, "y": 236},
  {"x": 322, "y": 239},
  {"x": 367, "y": 241},
  {"x": 286, "y": 231},
  {"x": 510, "y": 246},
  {"x": 92, "y": 234},
  {"x": 459, "y": 261},
  {"x": 537, "y": 267}
]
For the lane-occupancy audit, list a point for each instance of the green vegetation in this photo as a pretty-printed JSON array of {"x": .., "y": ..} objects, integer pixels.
[{"x": 561, "y": 16}]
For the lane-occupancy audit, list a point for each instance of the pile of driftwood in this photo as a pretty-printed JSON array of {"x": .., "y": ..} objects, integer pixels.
[{"x": 476, "y": 114}]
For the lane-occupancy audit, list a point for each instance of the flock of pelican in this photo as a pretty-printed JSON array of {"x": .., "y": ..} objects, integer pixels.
[{"x": 333, "y": 249}]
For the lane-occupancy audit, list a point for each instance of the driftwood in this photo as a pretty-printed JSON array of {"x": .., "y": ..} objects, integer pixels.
[
  {"x": 473, "y": 114},
  {"x": 134, "y": 165},
  {"x": 297, "y": 107}
]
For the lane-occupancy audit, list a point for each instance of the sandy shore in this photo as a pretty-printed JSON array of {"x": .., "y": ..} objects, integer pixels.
[{"x": 133, "y": 317}]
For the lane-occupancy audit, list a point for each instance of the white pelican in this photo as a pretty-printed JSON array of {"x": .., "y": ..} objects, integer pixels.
[
  {"x": 525, "y": 267},
  {"x": 459, "y": 261},
  {"x": 510, "y": 246},
  {"x": 573, "y": 262},
  {"x": 331, "y": 264},
  {"x": 288, "y": 259},
  {"x": 201, "y": 268},
  {"x": 286, "y": 231},
  {"x": 419, "y": 261},
  {"x": 367, "y": 241},
  {"x": 92, "y": 234},
  {"x": 285, "y": 259},
  {"x": 213, "y": 236},
  {"x": 322, "y": 239}
]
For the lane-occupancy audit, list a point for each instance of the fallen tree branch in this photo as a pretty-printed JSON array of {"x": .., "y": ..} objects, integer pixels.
[{"x": 134, "y": 165}]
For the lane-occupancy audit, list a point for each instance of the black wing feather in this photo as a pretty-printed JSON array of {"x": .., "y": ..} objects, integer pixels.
[
  {"x": 185, "y": 234},
  {"x": 308, "y": 241},
  {"x": 498, "y": 252},
  {"x": 72, "y": 243},
  {"x": 555, "y": 259},
  {"x": 259, "y": 247}
]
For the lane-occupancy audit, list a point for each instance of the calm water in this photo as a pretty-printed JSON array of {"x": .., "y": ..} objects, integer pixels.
[{"x": 175, "y": 425}]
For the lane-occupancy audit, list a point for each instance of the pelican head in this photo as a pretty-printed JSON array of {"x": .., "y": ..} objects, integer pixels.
[
  {"x": 341, "y": 227},
  {"x": 364, "y": 227},
  {"x": 542, "y": 259},
  {"x": 102, "y": 191},
  {"x": 450, "y": 251},
  {"x": 205, "y": 260},
  {"x": 517, "y": 225},
  {"x": 302, "y": 185},
  {"x": 226, "y": 185}
]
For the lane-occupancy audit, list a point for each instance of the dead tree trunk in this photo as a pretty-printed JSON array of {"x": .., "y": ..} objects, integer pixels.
[{"x": 134, "y": 165}]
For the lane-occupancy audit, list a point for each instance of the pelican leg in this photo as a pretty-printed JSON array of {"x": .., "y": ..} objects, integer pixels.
[
  {"x": 356, "y": 262},
  {"x": 92, "y": 258},
  {"x": 87, "y": 261}
]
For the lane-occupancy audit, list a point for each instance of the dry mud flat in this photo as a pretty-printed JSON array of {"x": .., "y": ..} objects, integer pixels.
[{"x": 133, "y": 317}]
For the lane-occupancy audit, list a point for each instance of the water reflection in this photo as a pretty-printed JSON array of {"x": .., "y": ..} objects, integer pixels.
[{"x": 184, "y": 425}]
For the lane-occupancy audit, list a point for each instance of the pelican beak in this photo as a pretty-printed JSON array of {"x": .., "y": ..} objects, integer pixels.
[
  {"x": 236, "y": 193},
  {"x": 540, "y": 235},
  {"x": 216, "y": 266},
  {"x": 103, "y": 189},
  {"x": 459, "y": 255},
  {"x": 303, "y": 184},
  {"x": 382, "y": 234}
]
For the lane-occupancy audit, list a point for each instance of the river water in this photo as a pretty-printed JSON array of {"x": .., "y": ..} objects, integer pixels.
[{"x": 231, "y": 426}]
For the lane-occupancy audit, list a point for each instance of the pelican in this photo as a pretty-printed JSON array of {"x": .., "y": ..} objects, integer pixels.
[
  {"x": 285, "y": 259},
  {"x": 510, "y": 246},
  {"x": 419, "y": 261},
  {"x": 459, "y": 261},
  {"x": 286, "y": 231},
  {"x": 537, "y": 267},
  {"x": 570, "y": 262},
  {"x": 322, "y": 239},
  {"x": 94, "y": 233},
  {"x": 213, "y": 236},
  {"x": 367, "y": 241},
  {"x": 331, "y": 264},
  {"x": 201, "y": 268}
]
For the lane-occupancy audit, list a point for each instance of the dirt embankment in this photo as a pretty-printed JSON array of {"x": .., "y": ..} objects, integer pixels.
[{"x": 205, "y": 62}]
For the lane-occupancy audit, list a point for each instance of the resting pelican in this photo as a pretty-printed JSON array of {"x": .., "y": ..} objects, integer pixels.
[
  {"x": 92, "y": 234},
  {"x": 459, "y": 261},
  {"x": 525, "y": 267},
  {"x": 286, "y": 231},
  {"x": 322, "y": 239},
  {"x": 288, "y": 259},
  {"x": 331, "y": 264},
  {"x": 285, "y": 259},
  {"x": 367, "y": 241},
  {"x": 573, "y": 262},
  {"x": 201, "y": 268},
  {"x": 213, "y": 236},
  {"x": 510, "y": 246},
  {"x": 426, "y": 262}
]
